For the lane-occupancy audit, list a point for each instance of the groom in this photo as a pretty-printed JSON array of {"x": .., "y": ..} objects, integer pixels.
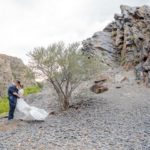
[{"x": 12, "y": 96}]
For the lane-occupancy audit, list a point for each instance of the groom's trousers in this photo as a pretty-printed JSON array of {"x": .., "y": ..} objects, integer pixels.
[{"x": 12, "y": 106}]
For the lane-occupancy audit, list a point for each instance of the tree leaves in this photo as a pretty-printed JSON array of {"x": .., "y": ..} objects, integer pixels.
[{"x": 64, "y": 66}]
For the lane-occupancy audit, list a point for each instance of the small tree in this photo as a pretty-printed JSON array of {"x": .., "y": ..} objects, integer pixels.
[{"x": 64, "y": 67}]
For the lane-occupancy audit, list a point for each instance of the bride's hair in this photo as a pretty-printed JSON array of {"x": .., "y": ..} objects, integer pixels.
[{"x": 21, "y": 85}]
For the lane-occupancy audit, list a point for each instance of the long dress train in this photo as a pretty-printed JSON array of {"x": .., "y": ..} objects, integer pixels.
[{"x": 30, "y": 112}]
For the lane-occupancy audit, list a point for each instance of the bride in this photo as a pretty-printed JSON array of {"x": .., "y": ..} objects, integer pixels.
[{"x": 30, "y": 112}]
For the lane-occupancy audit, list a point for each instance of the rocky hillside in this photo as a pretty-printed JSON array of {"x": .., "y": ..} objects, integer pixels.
[
  {"x": 13, "y": 68},
  {"x": 126, "y": 40}
]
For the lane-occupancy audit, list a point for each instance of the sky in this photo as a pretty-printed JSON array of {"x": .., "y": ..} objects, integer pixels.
[{"x": 26, "y": 24}]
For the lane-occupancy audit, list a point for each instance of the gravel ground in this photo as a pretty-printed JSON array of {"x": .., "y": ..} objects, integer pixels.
[{"x": 118, "y": 119}]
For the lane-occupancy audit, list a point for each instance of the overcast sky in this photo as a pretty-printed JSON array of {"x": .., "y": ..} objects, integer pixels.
[{"x": 25, "y": 24}]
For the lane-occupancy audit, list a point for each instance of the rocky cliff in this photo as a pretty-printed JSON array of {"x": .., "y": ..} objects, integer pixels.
[
  {"x": 13, "y": 68},
  {"x": 126, "y": 40}
]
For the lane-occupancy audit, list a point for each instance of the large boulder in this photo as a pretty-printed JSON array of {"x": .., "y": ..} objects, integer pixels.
[{"x": 100, "y": 42}]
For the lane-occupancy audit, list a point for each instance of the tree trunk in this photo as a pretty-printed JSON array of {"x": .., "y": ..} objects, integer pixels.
[
  {"x": 62, "y": 97},
  {"x": 64, "y": 102}
]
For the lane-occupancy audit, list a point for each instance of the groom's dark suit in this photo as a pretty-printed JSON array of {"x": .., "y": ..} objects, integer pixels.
[{"x": 12, "y": 100}]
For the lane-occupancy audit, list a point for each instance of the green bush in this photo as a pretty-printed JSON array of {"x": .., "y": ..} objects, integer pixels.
[
  {"x": 31, "y": 90},
  {"x": 4, "y": 103}
]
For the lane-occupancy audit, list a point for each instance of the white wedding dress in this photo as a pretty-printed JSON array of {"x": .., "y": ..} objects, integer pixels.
[{"x": 30, "y": 112}]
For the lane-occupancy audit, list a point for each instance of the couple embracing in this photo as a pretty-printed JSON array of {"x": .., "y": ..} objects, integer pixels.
[{"x": 16, "y": 101}]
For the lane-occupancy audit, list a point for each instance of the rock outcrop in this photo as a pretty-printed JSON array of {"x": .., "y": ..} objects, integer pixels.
[
  {"x": 98, "y": 86},
  {"x": 13, "y": 68},
  {"x": 126, "y": 40}
]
